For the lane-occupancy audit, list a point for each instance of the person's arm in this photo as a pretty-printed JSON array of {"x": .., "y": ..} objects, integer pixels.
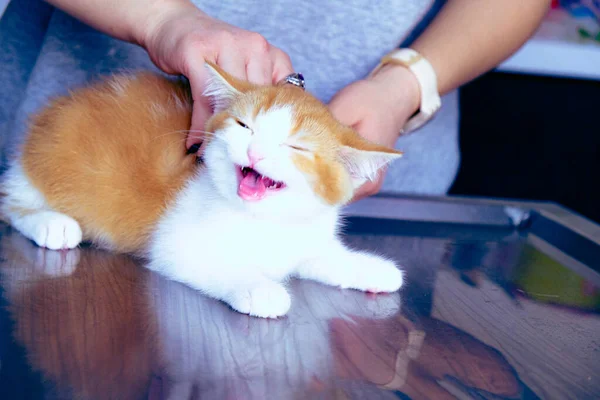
[
  {"x": 179, "y": 37},
  {"x": 128, "y": 20},
  {"x": 466, "y": 39}
]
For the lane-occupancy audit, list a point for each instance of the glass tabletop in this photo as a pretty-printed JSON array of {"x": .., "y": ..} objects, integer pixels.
[{"x": 501, "y": 301}]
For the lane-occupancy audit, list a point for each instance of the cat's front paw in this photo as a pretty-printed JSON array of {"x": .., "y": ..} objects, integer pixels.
[
  {"x": 267, "y": 299},
  {"x": 56, "y": 231},
  {"x": 371, "y": 273}
]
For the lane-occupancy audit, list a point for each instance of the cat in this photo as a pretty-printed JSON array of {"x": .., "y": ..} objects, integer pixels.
[{"x": 107, "y": 164}]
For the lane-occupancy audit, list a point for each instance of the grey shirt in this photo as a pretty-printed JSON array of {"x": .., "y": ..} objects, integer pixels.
[{"x": 44, "y": 52}]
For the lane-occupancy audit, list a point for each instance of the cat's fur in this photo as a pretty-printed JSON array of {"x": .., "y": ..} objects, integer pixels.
[{"x": 107, "y": 164}]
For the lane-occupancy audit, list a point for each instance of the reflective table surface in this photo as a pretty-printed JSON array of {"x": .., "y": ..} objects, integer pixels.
[{"x": 499, "y": 303}]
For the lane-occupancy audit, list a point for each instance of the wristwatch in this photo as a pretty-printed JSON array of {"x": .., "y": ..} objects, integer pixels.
[{"x": 427, "y": 79}]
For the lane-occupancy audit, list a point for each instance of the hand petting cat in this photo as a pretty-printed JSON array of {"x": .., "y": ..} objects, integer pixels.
[
  {"x": 378, "y": 107},
  {"x": 184, "y": 37}
]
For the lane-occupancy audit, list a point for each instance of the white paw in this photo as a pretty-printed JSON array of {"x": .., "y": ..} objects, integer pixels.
[
  {"x": 55, "y": 231},
  {"x": 266, "y": 300},
  {"x": 373, "y": 274}
]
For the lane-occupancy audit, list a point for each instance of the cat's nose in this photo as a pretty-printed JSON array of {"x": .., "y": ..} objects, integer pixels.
[{"x": 254, "y": 156}]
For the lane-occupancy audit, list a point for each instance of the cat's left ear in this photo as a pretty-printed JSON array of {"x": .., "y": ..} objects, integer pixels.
[
  {"x": 222, "y": 88},
  {"x": 363, "y": 160}
]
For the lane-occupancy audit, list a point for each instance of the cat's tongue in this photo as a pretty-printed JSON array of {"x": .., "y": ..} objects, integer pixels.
[{"x": 252, "y": 187}]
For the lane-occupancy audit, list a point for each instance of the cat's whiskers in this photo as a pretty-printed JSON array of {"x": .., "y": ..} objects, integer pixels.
[
  {"x": 205, "y": 134},
  {"x": 188, "y": 131}
]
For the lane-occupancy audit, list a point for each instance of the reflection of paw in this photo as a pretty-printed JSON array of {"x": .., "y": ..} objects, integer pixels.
[
  {"x": 57, "y": 263},
  {"x": 29, "y": 262},
  {"x": 55, "y": 231},
  {"x": 371, "y": 273},
  {"x": 267, "y": 300}
]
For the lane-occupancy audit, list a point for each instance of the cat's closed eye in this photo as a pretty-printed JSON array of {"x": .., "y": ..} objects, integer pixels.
[
  {"x": 240, "y": 123},
  {"x": 297, "y": 148}
]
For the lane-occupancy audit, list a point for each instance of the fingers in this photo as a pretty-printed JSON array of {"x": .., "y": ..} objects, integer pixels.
[
  {"x": 369, "y": 188},
  {"x": 270, "y": 69},
  {"x": 249, "y": 56},
  {"x": 282, "y": 65},
  {"x": 347, "y": 108},
  {"x": 346, "y": 115},
  {"x": 259, "y": 71},
  {"x": 200, "y": 114},
  {"x": 202, "y": 110},
  {"x": 245, "y": 55},
  {"x": 233, "y": 63}
]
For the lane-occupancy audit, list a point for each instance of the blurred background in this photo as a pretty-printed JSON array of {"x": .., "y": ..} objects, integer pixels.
[{"x": 531, "y": 128}]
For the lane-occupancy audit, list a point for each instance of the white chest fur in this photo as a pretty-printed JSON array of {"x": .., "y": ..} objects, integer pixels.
[
  {"x": 236, "y": 257},
  {"x": 204, "y": 239}
]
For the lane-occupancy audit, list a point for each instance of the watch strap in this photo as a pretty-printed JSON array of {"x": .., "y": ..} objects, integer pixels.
[{"x": 427, "y": 79}]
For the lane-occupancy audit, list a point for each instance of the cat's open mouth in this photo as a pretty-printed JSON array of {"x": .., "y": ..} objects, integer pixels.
[{"x": 254, "y": 186}]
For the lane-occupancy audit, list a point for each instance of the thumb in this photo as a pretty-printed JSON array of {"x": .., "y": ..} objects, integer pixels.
[
  {"x": 202, "y": 109},
  {"x": 201, "y": 112}
]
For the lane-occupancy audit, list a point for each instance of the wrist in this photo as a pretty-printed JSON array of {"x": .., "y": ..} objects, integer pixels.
[
  {"x": 425, "y": 76},
  {"x": 400, "y": 88},
  {"x": 155, "y": 15}
]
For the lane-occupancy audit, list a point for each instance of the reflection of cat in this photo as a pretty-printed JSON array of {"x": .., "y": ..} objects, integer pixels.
[
  {"x": 108, "y": 164},
  {"x": 104, "y": 330},
  {"x": 201, "y": 341},
  {"x": 80, "y": 316}
]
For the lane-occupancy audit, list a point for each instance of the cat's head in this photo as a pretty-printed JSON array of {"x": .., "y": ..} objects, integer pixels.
[{"x": 277, "y": 150}]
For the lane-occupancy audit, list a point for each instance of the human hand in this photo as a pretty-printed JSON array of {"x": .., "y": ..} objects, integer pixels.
[
  {"x": 378, "y": 107},
  {"x": 182, "y": 38}
]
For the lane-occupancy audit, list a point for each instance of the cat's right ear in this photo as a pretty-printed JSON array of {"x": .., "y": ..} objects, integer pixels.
[
  {"x": 364, "y": 159},
  {"x": 221, "y": 88}
]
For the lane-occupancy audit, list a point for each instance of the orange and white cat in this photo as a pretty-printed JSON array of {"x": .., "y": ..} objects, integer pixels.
[{"x": 107, "y": 164}]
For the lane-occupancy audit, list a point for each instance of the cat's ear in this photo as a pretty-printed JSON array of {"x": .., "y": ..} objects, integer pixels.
[
  {"x": 222, "y": 88},
  {"x": 363, "y": 160}
]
